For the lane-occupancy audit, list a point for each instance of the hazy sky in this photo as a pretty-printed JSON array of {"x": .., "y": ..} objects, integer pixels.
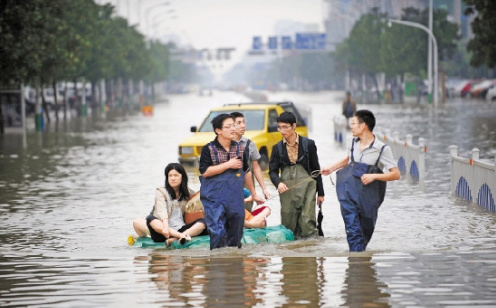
[{"x": 217, "y": 23}]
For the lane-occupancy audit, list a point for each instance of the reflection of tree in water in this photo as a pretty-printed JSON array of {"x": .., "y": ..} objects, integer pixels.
[{"x": 361, "y": 287}]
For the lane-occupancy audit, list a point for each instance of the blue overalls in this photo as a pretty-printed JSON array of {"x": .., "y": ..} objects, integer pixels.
[
  {"x": 359, "y": 203},
  {"x": 222, "y": 199}
]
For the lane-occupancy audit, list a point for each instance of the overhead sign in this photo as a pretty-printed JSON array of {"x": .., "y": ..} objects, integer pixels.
[
  {"x": 310, "y": 41},
  {"x": 302, "y": 41}
]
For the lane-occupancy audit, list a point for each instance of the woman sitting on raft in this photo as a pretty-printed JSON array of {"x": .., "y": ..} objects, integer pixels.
[
  {"x": 257, "y": 218},
  {"x": 165, "y": 222}
]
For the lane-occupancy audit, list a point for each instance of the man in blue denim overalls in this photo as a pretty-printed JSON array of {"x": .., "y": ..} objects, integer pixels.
[
  {"x": 361, "y": 184},
  {"x": 223, "y": 166}
]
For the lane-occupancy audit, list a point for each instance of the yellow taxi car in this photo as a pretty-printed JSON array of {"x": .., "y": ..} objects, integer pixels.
[{"x": 261, "y": 128}]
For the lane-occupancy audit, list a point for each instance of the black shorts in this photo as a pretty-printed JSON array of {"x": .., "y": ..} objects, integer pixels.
[{"x": 159, "y": 237}]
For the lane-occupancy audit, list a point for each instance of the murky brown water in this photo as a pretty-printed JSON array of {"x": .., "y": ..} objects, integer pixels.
[{"x": 67, "y": 201}]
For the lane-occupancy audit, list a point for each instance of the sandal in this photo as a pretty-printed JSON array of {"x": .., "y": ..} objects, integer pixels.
[{"x": 183, "y": 240}]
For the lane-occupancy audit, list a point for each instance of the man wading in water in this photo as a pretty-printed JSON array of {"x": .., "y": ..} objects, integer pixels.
[
  {"x": 361, "y": 184},
  {"x": 223, "y": 164},
  {"x": 296, "y": 158}
]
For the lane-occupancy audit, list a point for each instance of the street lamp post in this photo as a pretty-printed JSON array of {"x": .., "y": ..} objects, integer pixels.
[{"x": 434, "y": 42}]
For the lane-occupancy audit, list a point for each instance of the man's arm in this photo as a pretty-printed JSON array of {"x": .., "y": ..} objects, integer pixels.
[
  {"x": 274, "y": 166},
  {"x": 314, "y": 165},
  {"x": 336, "y": 166},
  {"x": 259, "y": 176},
  {"x": 233, "y": 163},
  {"x": 393, "y": 175},
  {"x": 251, "y": 188}
]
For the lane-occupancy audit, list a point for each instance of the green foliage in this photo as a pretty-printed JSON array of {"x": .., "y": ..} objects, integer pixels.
[
  {"x": 483, "y": 45},
  {"x": 52, "y": 40},
  {"x": 374, "y": 47}
]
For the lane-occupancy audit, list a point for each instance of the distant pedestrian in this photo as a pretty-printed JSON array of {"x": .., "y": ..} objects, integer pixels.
[
  {"x": 361, "y": 183},
  {"x": 349, "y": 108}
]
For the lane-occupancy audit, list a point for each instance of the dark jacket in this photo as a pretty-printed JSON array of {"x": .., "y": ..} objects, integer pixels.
[{"x": 277, "y": 163}]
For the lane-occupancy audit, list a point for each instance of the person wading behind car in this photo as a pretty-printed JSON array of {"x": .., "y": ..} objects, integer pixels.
[{"x": 252, "y": 152}]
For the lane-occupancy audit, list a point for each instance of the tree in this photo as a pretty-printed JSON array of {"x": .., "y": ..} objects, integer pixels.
[{"x": 483, "y": 45}]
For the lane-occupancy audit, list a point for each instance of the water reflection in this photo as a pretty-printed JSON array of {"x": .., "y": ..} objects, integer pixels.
[
  {"x": 266, "y": 282},
  {"x": 208, "y": 282},
  {"x": 361, "y": 286}
]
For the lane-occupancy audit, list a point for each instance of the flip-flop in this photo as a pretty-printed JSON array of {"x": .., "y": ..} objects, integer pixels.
[{"x": 183, "y": 240}]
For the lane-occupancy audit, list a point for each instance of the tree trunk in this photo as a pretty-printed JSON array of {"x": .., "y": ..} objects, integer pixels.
[
  {"x": 56, "y": 100},
  {"x": 66, "y": 103},
  {"x": 76, "y": 98},
  {"x": 376, "y": 85},
  {"x": 44, "y": 104}
]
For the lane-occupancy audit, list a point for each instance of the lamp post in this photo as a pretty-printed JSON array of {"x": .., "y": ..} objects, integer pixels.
[{"x": 434, "y": 42}]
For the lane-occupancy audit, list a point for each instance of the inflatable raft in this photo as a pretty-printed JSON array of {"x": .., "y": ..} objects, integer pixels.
[{"x": 276, "y": 234}]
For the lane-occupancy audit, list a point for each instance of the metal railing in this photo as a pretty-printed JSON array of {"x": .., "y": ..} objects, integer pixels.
[
  {"x": 340, "y": 129},
  {"x": 472, "y": 179},
  {"x": 411, "y": 157}
]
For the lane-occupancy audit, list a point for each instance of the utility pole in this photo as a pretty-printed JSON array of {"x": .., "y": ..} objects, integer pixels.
[{"x": 429, "y": 61}]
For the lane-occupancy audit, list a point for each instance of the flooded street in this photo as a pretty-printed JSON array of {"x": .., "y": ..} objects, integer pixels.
[{"x": 68, "y": 199}]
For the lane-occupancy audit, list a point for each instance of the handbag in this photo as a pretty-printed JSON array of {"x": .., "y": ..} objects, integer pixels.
[{"x": 193, "y": 210}]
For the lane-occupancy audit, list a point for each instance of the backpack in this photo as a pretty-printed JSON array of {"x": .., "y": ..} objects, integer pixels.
[{"x": 348, "y": 110}]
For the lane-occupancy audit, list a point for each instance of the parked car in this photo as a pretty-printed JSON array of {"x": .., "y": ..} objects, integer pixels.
[
  {"x": 480, "y": 90},
  {"x": 491, "y": 94},
  {"x": 261, "y": 128}
]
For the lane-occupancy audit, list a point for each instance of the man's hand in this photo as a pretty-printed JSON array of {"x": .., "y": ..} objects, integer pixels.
[
  {"x": 327, "y": 170},
  {"x": 320, "y": 200},
  {"x": 235, "y": 163},
  {"x": 368, "y": 178},
  {"x": 257, "y": 199},
  {"x": 281, "y": 188},
  {"x": 266, "y": 194}
]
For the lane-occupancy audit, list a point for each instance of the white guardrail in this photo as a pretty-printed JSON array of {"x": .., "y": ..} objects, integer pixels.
[
  {"x": 410, "y": 157},
  {"x": 473, "y": 179}
]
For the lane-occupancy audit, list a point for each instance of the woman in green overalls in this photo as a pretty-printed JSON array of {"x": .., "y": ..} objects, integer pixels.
[{"x": 292, "y": 161}]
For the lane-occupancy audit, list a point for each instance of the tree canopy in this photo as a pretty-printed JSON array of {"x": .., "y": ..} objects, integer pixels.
[
  {"x": 483, "y": 45},
  {"x": 53, "y": 40}
]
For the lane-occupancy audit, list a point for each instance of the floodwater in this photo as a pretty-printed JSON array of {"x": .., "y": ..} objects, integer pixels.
[{"x": 67, "y": 201}]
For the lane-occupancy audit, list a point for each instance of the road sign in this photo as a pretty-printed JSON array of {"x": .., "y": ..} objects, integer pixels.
[
  {"x": 310, "y": 41},
  {"x": 273, "y": 42},
  {"x": 286, "y": 42},
  {"x": 257, "y": 43}
]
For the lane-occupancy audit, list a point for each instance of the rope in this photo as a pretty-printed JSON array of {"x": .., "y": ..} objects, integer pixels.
[{"x": 313, "y": 175}]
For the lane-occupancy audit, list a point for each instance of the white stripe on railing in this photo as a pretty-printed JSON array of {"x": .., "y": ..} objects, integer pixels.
[{"x": 473, "y": 179}]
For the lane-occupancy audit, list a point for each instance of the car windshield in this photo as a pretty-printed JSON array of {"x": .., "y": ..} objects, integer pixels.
[{"x": 255, "y": 119}]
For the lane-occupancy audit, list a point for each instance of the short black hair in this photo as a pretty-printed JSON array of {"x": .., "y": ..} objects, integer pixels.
[
  {"x": 367, "y": 117},
  {"x": 237, "y": 114},
  {"x": 286, "y": 117},
  {"x": 219, "y": 120}
]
